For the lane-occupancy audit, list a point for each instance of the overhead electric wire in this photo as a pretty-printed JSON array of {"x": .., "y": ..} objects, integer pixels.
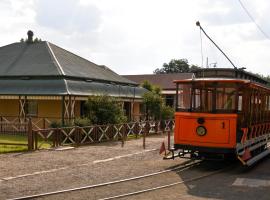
[{"x": 253, "y": 20}]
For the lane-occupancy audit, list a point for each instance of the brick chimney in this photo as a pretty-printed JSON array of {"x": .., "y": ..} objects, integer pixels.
[{"x": 30, "y": 36}]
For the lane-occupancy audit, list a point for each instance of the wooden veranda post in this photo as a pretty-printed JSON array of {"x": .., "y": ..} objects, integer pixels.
[
  {"x": 63, "y": 110},
  {"x": 30, "y": 135}
]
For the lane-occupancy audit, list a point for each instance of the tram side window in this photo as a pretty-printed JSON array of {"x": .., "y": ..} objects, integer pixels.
[
  {"x": 240, "y": 100},
  {"x": 225, "y": 99},
  {"x": 268, "y": 102},
  {"x": 203, "y": 100},
  {"x": 184, "y": 95}
]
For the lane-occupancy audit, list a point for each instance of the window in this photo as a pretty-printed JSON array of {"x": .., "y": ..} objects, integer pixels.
[
  {"x": 209, "y": 97},
  {"x": 184, "y": 95},
  {"x": 31, "y": 108},
  {"x": 225, "y": 99},
  {"x": 240, "y": 99},
  {"x": 268, "y": 102}
]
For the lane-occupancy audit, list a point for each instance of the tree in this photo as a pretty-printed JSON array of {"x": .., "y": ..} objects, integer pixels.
[
  {"x": 154, "y": 105},
  {"x": 104, "y": 110},
  {"x": 267, "y": 77},
  {"x": 147, "y": 85},
  {"x": 176, "y": 66}
]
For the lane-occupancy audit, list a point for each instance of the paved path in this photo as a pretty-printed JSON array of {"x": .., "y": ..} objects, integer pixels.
[{"x": 45, "y": 171}]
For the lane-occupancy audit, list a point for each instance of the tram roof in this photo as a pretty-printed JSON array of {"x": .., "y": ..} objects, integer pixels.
[{"x": 225, "y": 80}]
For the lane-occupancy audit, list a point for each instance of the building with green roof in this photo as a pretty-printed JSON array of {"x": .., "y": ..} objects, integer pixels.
[{"x": 43, "y": 80}]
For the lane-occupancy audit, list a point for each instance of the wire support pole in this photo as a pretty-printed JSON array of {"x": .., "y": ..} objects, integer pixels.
[{"x": 198, "y": 24}]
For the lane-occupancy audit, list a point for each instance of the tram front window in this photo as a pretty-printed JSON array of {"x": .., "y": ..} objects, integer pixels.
[{"x": 206, "y": 98}]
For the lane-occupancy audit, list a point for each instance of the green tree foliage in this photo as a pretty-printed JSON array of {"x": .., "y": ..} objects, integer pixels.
[
  {"x": 155, "y": 107},
  {"x": 36, "y": 40},
  {"x": 147, "y": 85},
  {"x": 267, "y": 78},
  {"x": 176, "y": 66},
  {"x": 167, "y": 112},
  {"x": 153, "y": 103},
  {"x": 104, "y": 110}
]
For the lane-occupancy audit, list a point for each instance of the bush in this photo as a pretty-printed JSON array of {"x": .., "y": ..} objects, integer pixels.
[
  {"x": 82, "y": 122},
  {"x": 104, "y": 110},
  {"x": 167, "y": 112},
  {"x": 55, "y": 124}
]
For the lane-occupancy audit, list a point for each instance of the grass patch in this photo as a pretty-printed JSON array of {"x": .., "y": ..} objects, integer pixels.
[
  {"x": 133, "y": 136},
  {"x": 14, "y": 139},
  {"x": 18, "y": 139}
]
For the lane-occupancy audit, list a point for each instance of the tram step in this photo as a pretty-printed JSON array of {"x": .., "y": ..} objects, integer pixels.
[{"x": 258, "y": 157}]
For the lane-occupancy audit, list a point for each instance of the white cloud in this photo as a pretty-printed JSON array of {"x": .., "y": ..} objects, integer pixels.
[
  {"x": 137, "y": 36},
  {"x": 67, "y": 16}
]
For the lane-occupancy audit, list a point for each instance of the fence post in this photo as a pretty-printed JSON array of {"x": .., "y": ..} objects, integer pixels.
[
  {"x": 30, "y": 135},
  {"x": 136, "y": 128},
  {"x": 1, "y": 124},
  {"x": 44, "y": 123},
  {"x": 146, "y": 129},
  {"x": 78, "y": 135},
  {"x": 124, "y": 134},
  {"x": 169, "y": 140},
  {"x": 58, "y": 137}
]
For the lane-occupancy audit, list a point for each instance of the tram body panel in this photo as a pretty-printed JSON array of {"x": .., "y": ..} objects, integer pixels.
[{"x": 220, "y": 129}]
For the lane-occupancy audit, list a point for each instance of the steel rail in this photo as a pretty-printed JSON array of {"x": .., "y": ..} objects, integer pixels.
[
  {"x": 164, "y": 186},
  {"x": 179, "y": 168}
]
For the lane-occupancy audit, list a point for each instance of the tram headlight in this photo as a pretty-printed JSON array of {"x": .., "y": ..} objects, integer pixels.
[{"x": 201, "y": 130}]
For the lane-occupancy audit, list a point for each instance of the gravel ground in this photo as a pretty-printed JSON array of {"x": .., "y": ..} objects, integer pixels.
[
  {"x": 76, "y": 167},
  {"x": 92, "y": 164}
]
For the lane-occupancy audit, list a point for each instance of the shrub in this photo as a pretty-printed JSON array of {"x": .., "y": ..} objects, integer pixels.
[
  {"x": 167, "y": 112},
  {"x": 104, "y": 110},
  {"x": 82, "y": 122},
  {"x": 55, "y": 124}
]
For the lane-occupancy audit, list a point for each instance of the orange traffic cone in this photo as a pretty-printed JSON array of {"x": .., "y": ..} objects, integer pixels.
[{"x": 162, "y": 148}]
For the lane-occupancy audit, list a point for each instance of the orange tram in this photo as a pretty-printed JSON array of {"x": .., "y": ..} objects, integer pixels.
[{"x": 219, "y": 118}]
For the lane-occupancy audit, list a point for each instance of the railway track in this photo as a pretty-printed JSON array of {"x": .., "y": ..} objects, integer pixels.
[{"x": 177, "y": 169}]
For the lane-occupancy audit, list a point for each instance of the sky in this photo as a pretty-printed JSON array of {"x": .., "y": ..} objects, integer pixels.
[{"x": 138, "y": 36}]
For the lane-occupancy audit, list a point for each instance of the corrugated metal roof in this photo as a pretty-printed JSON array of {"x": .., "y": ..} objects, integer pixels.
[
  {"x": 44, "y": 58},
  {"x": 22, "y": 59},
  {"x": 65, "y": 87},
  {"x": 84, "y": 88},
  {"x": 43, "y": 68},
  {"x": 73, "y": 65},
  {"x": 32, "y": 87}
]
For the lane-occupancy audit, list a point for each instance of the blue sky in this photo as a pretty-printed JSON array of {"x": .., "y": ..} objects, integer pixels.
[{"x": 137, "y": 36}]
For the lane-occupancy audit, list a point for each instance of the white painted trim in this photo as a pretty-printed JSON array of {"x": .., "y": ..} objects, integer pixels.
[
  {"x": 57, "y": 62},
  {"x": 59, "y": 66}
]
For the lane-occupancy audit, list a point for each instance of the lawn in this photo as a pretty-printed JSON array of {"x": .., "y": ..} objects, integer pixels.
[{"x": 17, "y": 139}]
